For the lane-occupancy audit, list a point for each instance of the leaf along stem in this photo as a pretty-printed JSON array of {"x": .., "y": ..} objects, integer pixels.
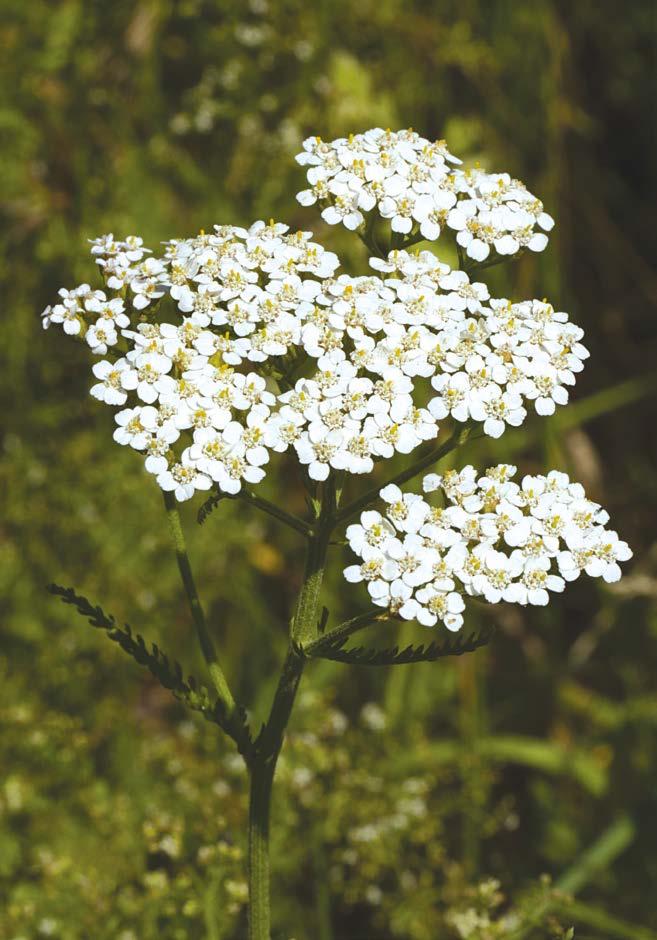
[
  {"x": 166, "y": 670},
  {"x": 345, "y": 630},
  {"x": 453, "y": 645}
]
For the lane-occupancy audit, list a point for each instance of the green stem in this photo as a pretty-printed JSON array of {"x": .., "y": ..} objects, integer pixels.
[
  {"x": 396, "y": 241},
  {"x": 272, "y": 510},
  {"x": 234, "y": 725},
  {"x": 368, "y": 239},
  {"x": 476, "y": 266},
  {"x": 263, "y": 504},
  {"x": 459, "y": 437},
  {"x": 303, "y": 628},
  {"x": 322, "y": 890},
  {"x": 412, "y": 240},
  {"x": 264, "y": 755},
  {"x": 607, "y": 924},
  {"x": 262, "y": 768},
  {"x": 262, "y": 778}
]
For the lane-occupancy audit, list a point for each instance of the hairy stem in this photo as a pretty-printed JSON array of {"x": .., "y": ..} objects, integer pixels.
[
  {"x": 304, "y": 622},
  {"x": 262, "y": 767},
  {"x": 261, "y": 781},
  {"x": 233, "y": 724},
  {"x": 264, "y": 755}
]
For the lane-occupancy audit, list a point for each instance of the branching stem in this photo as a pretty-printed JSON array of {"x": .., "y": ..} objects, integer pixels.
[
  {"x": 400, "y": 243},
  {"x": 264, "y": 754},
  {"x": 299, "y": 525},
  {"x": 458, "y": 438},
  {"x": 233, "y": 725}
]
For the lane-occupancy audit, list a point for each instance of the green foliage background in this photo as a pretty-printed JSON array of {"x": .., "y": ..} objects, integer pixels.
[{"x": 119, "y": 817}]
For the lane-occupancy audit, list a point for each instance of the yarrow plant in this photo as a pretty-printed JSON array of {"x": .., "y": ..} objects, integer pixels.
[{"x": 230, "y": 348}]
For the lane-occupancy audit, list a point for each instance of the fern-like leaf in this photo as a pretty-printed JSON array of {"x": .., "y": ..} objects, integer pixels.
[
  {"x": 210, "y": 505},
  {"x": 168, "y": 672},
  {"x": 453, "y": 645}
]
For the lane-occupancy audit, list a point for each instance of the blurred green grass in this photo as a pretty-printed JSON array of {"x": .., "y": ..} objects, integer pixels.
[{"x": 161, "y": 118}]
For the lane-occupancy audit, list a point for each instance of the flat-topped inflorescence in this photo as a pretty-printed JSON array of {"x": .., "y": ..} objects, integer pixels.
[
  {"x": 243, "y": 342},
  {"x": 488, "y": 537},
  {"x": 417, "y": 186},
  {"x": 203, "y": 345}
]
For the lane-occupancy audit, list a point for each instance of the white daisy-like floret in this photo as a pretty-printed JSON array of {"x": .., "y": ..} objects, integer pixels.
[
  {"x": 100, "y": 336},
  {"x": 375, "y": 567},
  {"x": 373, "y": 530},
  {"x": 433, "y": 604},
  {"x": 147, "y": 283},
  {"x": 316, "y": 451},
  {"x": 108, "y": 311},
  {"x": 135, "y": 426},
  {"x": 183, "y": 479},
  {"x": 597, "y": 554},
  {"x": 495, "y": 409},
  {"x": 406, "y": 511},
  {"x": 109, "y": 388},
  {"x": 106, "y": 246}
]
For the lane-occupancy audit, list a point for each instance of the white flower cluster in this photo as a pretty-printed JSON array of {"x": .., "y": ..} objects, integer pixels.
[
  {"x": 485, "y": 358},
  {"x": 412, "y": 183},
  {"x": 249, "y": 317},
  {"x": 241, "y": 342},
  {"x": 492, "y": 538},
  {"x": 241, "y": 297}
]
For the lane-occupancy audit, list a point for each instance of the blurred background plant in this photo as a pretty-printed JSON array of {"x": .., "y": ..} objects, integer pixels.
[{"x": 538, "y": 755}]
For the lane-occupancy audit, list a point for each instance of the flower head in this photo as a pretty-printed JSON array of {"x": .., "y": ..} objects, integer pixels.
[
  {"x": 494, "y": 539},
  {"x": 417, "y": 186},
  {"x": 243, "y": 341}
]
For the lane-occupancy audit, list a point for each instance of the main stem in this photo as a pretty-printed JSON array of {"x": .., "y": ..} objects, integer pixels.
[
  {"x": 264, "y": 754},
  {"x": 261, "y": 781},
  {"x": 262, "y": 767}
]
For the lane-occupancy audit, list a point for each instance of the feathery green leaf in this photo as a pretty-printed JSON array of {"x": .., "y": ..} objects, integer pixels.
[
  {"x": 168, "y": 672},
  {"x": 453, "y": 645},
  {"x": 208, "y": 507}
]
